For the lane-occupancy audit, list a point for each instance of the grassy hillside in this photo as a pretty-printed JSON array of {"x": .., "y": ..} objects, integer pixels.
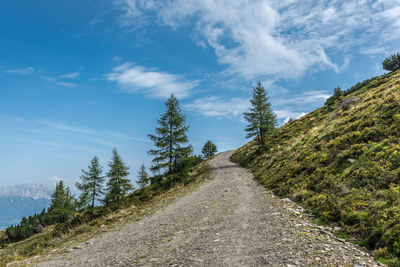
[
  {"x": 342, "y": 162},
  {"x": 56, "y": 238}
]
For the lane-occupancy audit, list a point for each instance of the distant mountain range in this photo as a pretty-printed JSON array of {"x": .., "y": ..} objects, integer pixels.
[{"x": 22, "y": 200}]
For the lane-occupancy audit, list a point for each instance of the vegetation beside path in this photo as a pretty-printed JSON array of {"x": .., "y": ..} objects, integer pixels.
[
  {"x": 342, "y": 163},
  {"x": 85, "y": 224}
]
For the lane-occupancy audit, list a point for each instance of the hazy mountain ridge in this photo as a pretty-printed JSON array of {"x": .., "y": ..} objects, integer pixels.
[
  {"x": 35, "y": 191},
  {"x": 22, "y": 200}
]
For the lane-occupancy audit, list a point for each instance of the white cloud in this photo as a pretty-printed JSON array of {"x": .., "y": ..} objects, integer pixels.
[
  {"x": 297, "y": 105},
  {"x": 291, "y": 115},
  {"x": 72, "y": 75},
  {"x": 284, "y": 106},
  {"x": 280, "y": 38},
  {"x": 56, "y": 134},
  {"x": 55, "y": 179},
  {"x": 308, "y": 98},
  {"x": 95, "y": 21},
  {"x": 95, "y": 135},
  {"x": 217, "y": 107},
  {"x": 27, "y": 70},
  {"x": 116, "y": 58},
  {"x": 65, "y": 127},
  {"x": 65, "y": 84},
  {"x": 153, "y": 83},
  {"x": 68, "y": 182},
  {"x": 64, "y": 145},
  {"x": 287, "y": 114},
  {"x": 231, "y": 108},
  {"x": 373, "y": 50},
  {"x": 50, "y": 79},
  {"x": 132, "y": 15}
]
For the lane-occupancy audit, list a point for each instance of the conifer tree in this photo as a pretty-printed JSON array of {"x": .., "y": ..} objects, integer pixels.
[
  {"x": 62, "y": 204},
  {"x": 69, "y": 205},
  {"x": 209, "y": 149},
  {"x": 91, "y": 185},
  {"x": 392, "y": 63},
  {"x": 261, "y": 118},
  {"x": 57, "y": 202},
  {"x": 143, "y": 177},
  {"x": 118, "y": 184},
  {"x": 170, "y": 139}
]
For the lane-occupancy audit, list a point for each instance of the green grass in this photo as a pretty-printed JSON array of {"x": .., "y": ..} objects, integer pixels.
[
  {"x": 54, "y": 239},
  {"x": 342, "y": 163}
]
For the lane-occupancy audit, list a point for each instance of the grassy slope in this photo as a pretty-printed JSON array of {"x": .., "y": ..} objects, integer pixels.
[
  {"x": 50, "y": 241},
  {"x": 342, "y": 162}
]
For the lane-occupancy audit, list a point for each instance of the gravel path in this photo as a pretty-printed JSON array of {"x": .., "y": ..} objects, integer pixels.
[{"x": 228, "y": 221}]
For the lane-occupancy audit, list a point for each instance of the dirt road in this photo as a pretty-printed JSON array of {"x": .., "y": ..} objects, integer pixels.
[{"x": 228, "y": 221}]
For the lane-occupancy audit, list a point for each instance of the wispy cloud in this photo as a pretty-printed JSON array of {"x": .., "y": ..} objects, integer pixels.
[
  {"x": 96, "y": 135},
  {"x": 57, "y": 134},
  {"x": 217, "y": 107},
  {"x": 280, "y": 38},
  {"x": 136, "y": 79},
  {"x": 65, "y": 127},
  {"x": 59, "y": 79},
  {"x": 232, "y": 108},
  {"x": 308, "y": 98},
  {"x": 297, "y": 105},
  {"x": 132, "y": 16},
  {"x": 72, "y": 75},
  {"x": 284, "y": 106},
  {"x": 287, "y": 114},
  {"x": 27, "y": 70},
  {"x": 95, "y": 21},
  {"x": 66, "y": 84},
  {"x": 64, "y": 145}
]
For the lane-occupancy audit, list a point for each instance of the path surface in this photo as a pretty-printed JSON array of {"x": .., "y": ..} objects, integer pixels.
[{"x": 228, "y": 221}]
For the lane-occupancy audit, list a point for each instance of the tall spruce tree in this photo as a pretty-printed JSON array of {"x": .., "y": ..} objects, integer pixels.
[
  {"x": 170, "y": 139},
  {"x": 261, "y": 118},
  {"x": 62, "y": 204},
  {"x": 118, "y": 184},
  {"x": 209, "y": 149},
  {"x": 143, "y": 177},
  {"x": 91, "y": 185}
]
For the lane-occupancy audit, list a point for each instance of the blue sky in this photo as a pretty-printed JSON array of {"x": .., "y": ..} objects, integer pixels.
[{"x": 78, "y": 78}]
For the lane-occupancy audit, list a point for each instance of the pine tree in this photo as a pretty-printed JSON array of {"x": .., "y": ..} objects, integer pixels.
[
  {"x": 118, "y": 184},
  {"x": 170, "y": 139},
  {"x": 91, "y": 185},
  {"x": 337, "y": 92},
  {"x": 392, "y": 63},
  {"x": 143, "y": 177},
  {"x": 57, "y": 200},
  {"x": 209, "y": 149},
  {"x": 69, "y": 205},
  {"x": 62, "y": 204},
  {"x": 261, "y": 118}
]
